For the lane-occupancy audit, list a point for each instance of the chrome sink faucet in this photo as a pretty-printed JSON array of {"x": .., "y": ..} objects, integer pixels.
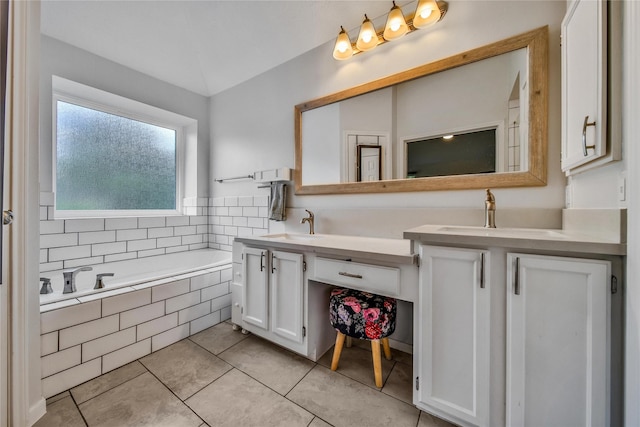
[
  {"x": 70, "y": 279},
  {"x": 309, "y": 219},
  {"x": 490, "y": 210}
]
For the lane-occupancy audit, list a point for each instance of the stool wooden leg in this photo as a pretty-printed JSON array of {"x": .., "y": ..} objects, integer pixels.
[
  {"x": 349, "y": 342},
  {"x": 337, "y": 350},
  {"x": 377, "y": 362},
  {"x": 386, "y": 348}
]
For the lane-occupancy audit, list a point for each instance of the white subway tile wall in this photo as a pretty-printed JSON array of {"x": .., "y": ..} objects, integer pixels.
[
  {"x": 230, "y": 217},
  {"x": 210, "y": 222},
  {"x": 85, "y": 340},
  {"x": 66, "y": 243},
  {"x": 82, "y": 339}
]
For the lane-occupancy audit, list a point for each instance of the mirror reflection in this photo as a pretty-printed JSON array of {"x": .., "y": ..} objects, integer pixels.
[
  {"x": 476, "y": 115},
  {"x": 462, "y": 121}
]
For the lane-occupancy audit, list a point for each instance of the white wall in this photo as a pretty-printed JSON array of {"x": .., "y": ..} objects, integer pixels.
[
  {"x": 66, "y": 61},
  {"x": 252, "y": 124}
]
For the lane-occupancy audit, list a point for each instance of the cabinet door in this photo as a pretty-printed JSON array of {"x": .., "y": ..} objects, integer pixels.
[
  {"x": 287, "y": 295},
  {"x": 557, "y": 340},
  {"x": 584, "y": 88},
  {"x": 453, "y": 334},
  {"x": 255, "y": 292}
]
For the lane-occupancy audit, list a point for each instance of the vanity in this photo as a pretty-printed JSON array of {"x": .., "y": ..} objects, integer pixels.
[
  {"x": 282, "y": 283},
  {"x": 510, "y": 326},
  {"x": 518, "y": 326}
]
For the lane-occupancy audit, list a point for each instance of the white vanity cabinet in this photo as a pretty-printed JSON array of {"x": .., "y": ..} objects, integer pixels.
[
  {"x": 453, "y": 334},
  {"x": 273, "y": 295},
  {"x": 513, "y": 331},
  {"x": 590, "y": 116},
  {"x": 558, "y": 341},
  {"x": 282, "y": 283}
]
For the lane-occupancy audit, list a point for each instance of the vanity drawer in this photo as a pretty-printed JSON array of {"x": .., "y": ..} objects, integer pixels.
[{"x": 365, "y": 277}]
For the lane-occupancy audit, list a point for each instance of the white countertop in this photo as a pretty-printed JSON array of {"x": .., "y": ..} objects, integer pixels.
[
  {"x": 389, "y": 250},
  {"x": 518, "y": 238}
]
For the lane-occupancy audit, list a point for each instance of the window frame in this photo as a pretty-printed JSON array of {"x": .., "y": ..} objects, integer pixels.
[{"x": 85, "y": 96}]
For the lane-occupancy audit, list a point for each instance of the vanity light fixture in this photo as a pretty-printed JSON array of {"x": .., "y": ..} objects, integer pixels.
[
  {"x": 343, "y": 49},
  {"x": 367, "y": 37},
  {"x": 396, "y": 25},
  {"x": 427, "y": 13}
]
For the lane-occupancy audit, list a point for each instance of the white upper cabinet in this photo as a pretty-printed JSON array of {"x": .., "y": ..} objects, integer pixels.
[{"x": 589, "y": 113}]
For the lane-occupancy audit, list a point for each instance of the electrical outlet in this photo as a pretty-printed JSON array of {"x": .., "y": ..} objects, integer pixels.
[{"x": 622, "y": 187}]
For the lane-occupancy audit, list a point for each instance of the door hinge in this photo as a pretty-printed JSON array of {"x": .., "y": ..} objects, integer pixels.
[
  {"x": 614, "y": 284},
  {"x": 418, "y": 261},
  {"x": 304, "y": 332},
  {"x": 242, "y": 254},
  {"x": 417, "y": 383},
  {"x": 304, "y": 265},
  {"x": 241, "y": 310}
]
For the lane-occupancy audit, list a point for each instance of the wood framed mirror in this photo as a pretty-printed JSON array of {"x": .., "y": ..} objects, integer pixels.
[{"x": 502, "y": 90}]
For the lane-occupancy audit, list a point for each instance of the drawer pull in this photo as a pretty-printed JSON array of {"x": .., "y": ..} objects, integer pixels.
[{"x": 355, "y": 276}]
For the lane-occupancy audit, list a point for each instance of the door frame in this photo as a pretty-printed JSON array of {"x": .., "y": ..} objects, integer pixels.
[{"x": 25, "y": 404}]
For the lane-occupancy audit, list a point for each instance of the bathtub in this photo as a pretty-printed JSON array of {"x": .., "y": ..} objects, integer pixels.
[
  {"x": 130, "y": 273},
  {"x": 149, "y": 304}
]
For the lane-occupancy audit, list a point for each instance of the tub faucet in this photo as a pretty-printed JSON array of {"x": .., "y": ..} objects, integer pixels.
[
  {"x": 46, "y": 286},
  {"x": 490, "y": 210},
  {"x": 99, "y": 282},
  {"x": 70, "y": 279},
  {"x": 309, "y": 219}
]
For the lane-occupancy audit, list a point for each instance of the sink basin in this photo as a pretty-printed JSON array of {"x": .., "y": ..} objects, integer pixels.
[
  {"x": 291, "y": 236},
  {"x": 515, "y": 233}
]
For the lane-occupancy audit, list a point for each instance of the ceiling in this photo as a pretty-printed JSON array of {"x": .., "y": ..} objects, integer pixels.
[{"x": 204, "y": 46}]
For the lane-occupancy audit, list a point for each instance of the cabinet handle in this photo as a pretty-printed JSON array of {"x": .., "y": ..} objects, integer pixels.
[
  {"x": 355, "y": 276},
  {"x": 516, "y": 284},
  {"x": 261, "y": 261},
  {"x": 273, "y": 258},
  {"x": 584, "y": 135},
  {"x": 482, "y": 270}
]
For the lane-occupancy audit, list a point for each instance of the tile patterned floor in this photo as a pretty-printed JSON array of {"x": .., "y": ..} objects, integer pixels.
[{"x": 220, "y": 377}]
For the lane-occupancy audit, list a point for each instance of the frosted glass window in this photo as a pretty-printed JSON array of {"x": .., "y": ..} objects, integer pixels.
[{"x": 108, "y": 162}]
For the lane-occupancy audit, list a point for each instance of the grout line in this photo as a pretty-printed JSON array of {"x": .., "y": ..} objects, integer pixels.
[
  {"x": 78, "y": 408},
  {"x": 169, "y": 389}
]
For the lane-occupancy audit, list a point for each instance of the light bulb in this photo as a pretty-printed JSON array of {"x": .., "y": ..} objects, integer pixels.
[
  {"x": 427, "y": 13},
  {"x": 342, "y": 49},
  {"x": 367, "y": 38},
  {"x": 396, "y": 25}
]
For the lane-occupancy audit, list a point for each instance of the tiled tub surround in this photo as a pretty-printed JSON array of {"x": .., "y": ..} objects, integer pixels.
[
  {"x": 85, "y": 337},
  {"x": 208, "y": 222},
  {"x": 68, "y": 243},
  {"x": 127, "y": 275}
]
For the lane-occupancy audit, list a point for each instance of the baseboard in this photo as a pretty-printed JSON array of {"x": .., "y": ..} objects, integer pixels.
[
  {"x": 36, "y": 411},
  {"x": 402, "y": 346}
]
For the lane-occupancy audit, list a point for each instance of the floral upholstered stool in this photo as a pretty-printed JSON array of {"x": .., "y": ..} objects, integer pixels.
[{"x": 362, "y": 315}]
